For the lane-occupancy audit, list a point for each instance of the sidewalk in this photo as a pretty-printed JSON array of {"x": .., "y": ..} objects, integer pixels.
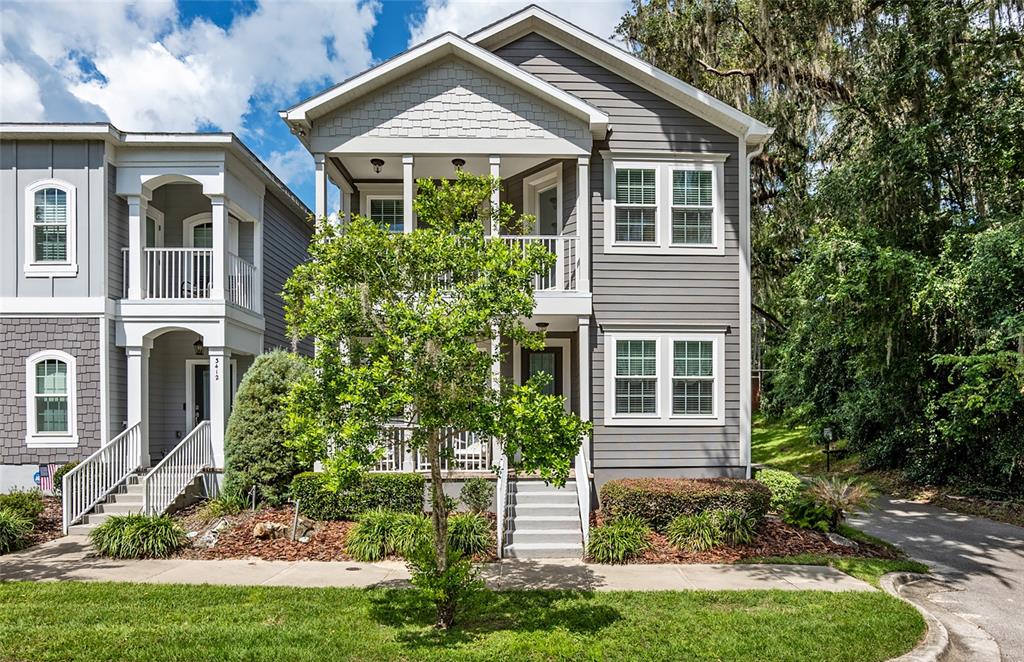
[{"x": 70, "y": 559}]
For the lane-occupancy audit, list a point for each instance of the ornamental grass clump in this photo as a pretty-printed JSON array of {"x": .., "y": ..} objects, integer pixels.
[
  {"x": 14, "y": 527},
  {"x": 470, "y": 533},
  {"x": 138, "y": 537},
  {"x": 842, "y": 497},
  {"x": 696, "y": 533},
  {"x": 620, "y": 540},
  {"x": 370, "y": 539}
]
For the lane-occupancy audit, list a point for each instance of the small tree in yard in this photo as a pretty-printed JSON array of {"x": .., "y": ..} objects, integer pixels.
[{"x": 407, "y": 328}]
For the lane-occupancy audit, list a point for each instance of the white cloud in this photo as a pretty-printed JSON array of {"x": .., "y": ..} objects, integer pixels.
[
  {"x": 465, "y": 16},
  {"x": 147, "y": 70},
  {"x": 292, "y": 166},
  {"x": 19, "y": 94}
]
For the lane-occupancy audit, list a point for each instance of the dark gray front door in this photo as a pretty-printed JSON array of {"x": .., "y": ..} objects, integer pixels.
[
  {"x": 547, "y": 360},
  {"x": 201, "y": 389}
]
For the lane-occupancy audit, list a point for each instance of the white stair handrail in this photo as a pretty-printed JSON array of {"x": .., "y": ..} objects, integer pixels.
[
  {"x": 583, "y": 493},
  {"x": 169, "y": 478},
  {"x": 502, "y": 502},
  {"x": 97, "y": 475}
]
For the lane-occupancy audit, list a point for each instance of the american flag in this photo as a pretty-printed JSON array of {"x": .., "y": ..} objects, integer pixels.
[{"x": 46, "y": 472}]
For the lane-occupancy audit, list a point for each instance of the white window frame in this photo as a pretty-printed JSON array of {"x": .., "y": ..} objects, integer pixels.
[
  {"x": 664, "y": 165},
  {"x": 34, "y": 438},
  {"x": 68, "y": 267},
  {"x": 538, "y": 183},
  {"x": 371, "y": 198},
  {"x": 664, "y": 344}
]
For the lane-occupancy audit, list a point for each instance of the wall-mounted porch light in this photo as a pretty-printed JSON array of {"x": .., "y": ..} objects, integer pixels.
[
  {"x": 378, "y": 165},
  {"x": 458, "y": 163},
  {"x": 542, "y": 326},
  {"x": 198, "y": 346}
]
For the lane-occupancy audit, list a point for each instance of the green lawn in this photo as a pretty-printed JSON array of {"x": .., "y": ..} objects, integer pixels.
[
  {"x": 791, "y": 448},
  {"x": 81, "y": 621},
  {"x": 867, "y": 569}
]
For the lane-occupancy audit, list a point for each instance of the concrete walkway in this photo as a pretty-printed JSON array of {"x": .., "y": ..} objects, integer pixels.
[
  {"x": 71, "y": 559},
  {"x": 978, "y": 568}
]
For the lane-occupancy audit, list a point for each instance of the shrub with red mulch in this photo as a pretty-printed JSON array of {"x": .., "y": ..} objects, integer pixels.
[{"x": 658, "y": 501}]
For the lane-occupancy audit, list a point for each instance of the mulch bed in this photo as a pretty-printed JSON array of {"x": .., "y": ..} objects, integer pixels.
[{"x": 50, "y": 525}]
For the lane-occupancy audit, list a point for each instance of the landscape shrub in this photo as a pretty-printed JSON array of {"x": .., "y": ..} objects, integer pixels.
[
  {"x": 58, "y": 477},
  {"x": 446, "y": 589},
  {"x": 398, "y": 492},
  {"x": 225, "y": 505},
  {"x": 806, "y": 513},
  {"x": 254, "y": 443},
  {"x": 409, "y": 532},
  {"x": 737, "y": 526},
  {"x": 477, "y": 494},
  {"x": 138, "y": 537},
  {"x": 13, "y": 528},
  {"x": 657, "y": 501},
  {"x": 784, "y": 486},
  {"x": 370, "y": 538},
  {"x": 841, "y": 497},
  {"x": 698, "y": 532},
  {"x": 470, "y": 533},
  {"x": 27, "y": 503},
  {"x": 620, "y": 540}
]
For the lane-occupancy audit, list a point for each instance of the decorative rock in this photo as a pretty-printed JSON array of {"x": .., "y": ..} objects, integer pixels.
[
  {"x": 209, "y": 539},
  {"x": 269, "y": 530},
  {"x": 221, "y": 525},
  {"x": 304, "y": 539},
  {"x": 192, "y": 534},
  {"x": 842, "y": 541},
  {"x": 304, "y": 527}
]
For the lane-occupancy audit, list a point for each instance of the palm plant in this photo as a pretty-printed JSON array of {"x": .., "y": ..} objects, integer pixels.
[{"x": 842, "y": 497}]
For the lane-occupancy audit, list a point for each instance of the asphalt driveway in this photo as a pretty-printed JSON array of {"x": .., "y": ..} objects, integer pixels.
[{"x": 978, "y": 566}]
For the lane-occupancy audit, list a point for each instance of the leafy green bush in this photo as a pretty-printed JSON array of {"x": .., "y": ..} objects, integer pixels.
[
  {"x": 13, "y": 528},
  {"x": 806, "y": 513},
  {"x": 448, "y": 588},
  {"x": 470, "y": 533},
  {"x": 737, "y": 526},
  {"x": 658, "y": 501},
  {"x": 254, "y": 443},
  {"x": 697, "y": 533},
  {"x": 138, "y": 537},
  {"x": 619, "y": 541},
  {"x": 58, "y": 477},
  {"x": 399, "y": 492},
  {"x": 785, "y": 487},
  {"x": 478, "y": 494},
  {"x": 370, "y": 538},
  {"x": 27, "y": 503},
  {"x": 225, "y": 505}
]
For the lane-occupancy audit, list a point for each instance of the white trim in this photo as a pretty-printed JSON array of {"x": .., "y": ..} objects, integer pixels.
[
  {"x": 746, "y": 387},
  {"x": 565, "y": 344},
  {"x": 599, "y": 51},
  {"x": 662, "y": 243},
  {"x": 537, "y": 183},
  {"x": 302, "y": 114},
  {"x": 663, "y": 415},
  {"x": 104, "y": 333},
  {"x": 158, "y": 219},
  {"x": 189, "y": 224},
  {"x": 33, "y": 438},
  {"x": 51, "y": 306},
  {"x": 43, "y": 269}
]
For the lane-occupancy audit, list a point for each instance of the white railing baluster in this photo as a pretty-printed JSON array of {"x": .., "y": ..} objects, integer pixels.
[
  {"x": 179, "y": 468},
  {"x": 562, "y": 276},
  {"x": 184, "y": 273},
  {"x": 96, "y": 476}
]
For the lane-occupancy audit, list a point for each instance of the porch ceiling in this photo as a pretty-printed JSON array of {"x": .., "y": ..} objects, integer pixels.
[{"x": 359, "y": 168}]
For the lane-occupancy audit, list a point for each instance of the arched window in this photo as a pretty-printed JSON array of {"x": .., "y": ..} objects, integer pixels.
[
  {"x": 50, "y": 396},
  {"x": 50, "y": 236}
]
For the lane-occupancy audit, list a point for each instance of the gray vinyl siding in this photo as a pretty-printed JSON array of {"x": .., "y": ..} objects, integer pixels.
[
  {"x": 117, "y": 384},
  {"x": 117, "y": 234},
  {"x": 168, "y": 420},
  {"x": 285, "y": 238},
  {"x": 651, "y": 287},
  {"x": 79, "y": 163}
]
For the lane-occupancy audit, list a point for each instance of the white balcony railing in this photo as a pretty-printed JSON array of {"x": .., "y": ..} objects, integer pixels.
[
  {"x": 186, "y": 274},
  {"x": 563, "y": 276},
  {"x": 464, "y": 451}
]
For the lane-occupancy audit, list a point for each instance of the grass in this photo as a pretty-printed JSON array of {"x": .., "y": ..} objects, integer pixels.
[
  {"x": 96, "y": 621},
  {"x": 866, "y": 569},
  {"x": 787, "y": 447}
]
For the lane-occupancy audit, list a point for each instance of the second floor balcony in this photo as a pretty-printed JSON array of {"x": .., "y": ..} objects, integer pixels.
[{"x": 187, "y": 275}]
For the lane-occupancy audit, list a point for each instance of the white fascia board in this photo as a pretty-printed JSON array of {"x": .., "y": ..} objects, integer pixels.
[
  {"x": 688, "y": 97},
  {"x": 431, "y": 51}
]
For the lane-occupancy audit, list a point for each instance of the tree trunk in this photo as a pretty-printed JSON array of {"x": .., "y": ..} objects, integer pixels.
[{"x": 439, "y": 513}]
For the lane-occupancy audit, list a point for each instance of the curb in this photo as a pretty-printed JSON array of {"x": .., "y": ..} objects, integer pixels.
[{"x": 936, "y": 639}]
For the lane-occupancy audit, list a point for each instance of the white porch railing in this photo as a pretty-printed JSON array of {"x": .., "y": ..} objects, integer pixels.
[
  {"x": 501, "y": 501},
  {"x": 464, "y": 451},
  {"x": 563, "y": 275},
  {"x": 179, "y": 468},
  {"x": 583, "y": 492},
  {"x": 96, "y": 476},
  {"x": 241, "y": 283}
]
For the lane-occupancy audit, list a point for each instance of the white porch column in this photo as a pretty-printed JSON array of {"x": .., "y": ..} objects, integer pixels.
[
  {"x": 138, "y": 395},
  {"x": 220, "y": 399},
  {"x": 583, "y": 222},
  {"x": 346, "y": 206},
  {"x": 407, "y": 191},
  {"x": 585, "y": 386},
  {"x": 495, "y": 163},
  {"x": 136, "y": 243},
  {"x": 320, "y": 207},
  {"x": 219, "y": 215}
]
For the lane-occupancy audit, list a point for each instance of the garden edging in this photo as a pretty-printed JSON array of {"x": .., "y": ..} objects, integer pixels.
[{"x": 936, "y": 639}]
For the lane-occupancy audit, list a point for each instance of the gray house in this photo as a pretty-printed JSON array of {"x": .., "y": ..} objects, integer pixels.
[
  {"x": 640, "y": 184},
  {"x": 139, "y": 276}
]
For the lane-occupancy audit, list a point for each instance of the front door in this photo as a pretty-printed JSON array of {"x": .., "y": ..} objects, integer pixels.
[
  {"x": 547, "y": 360},
  {"x": 201, "y": 391}
]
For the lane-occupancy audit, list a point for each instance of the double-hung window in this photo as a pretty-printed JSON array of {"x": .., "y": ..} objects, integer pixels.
[
  {"x": 50, "y": 398},
  {"x": 664, "y": 378},
  {"x": 388, "y": 212},
  {"x": 671, "y": 206},
  {"x": 50, "y": 232}
]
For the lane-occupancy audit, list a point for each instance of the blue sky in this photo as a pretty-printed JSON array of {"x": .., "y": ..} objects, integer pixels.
[{"x": 230, "y": 65}]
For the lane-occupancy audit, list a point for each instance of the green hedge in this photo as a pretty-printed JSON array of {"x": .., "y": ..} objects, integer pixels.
[
  {"x": 399, "y": 492},
  {"x": 658, "y": 501},
  {"x": 26, "y": 503}
]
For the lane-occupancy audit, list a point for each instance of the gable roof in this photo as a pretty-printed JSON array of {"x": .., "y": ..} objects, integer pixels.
[
  {"x": 300, "y": 116},
  {"x": 627, "y": 65}
]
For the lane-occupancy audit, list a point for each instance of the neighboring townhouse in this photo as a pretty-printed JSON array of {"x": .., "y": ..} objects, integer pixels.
[
  {"x": 640, "y": 184},
  {"x": 140, "y": 273}
]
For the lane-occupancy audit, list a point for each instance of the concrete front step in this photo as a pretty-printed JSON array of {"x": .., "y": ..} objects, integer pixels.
[
  {"x": 118, "y": 508},
  {"x": 528, "y": 498},
  {"x": 545, "y": 523},
  {"x": 543, "y": 550},
  {"x": 553, "y": 537},
  {"x": 544, "y": 510},
  {"x": 81, "y": 529}
]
